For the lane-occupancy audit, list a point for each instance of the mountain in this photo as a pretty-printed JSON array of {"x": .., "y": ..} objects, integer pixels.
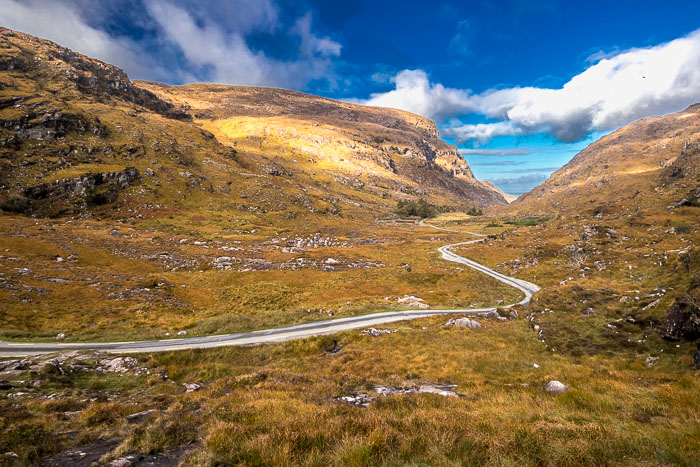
[
  {"x": 652, "y": 164},
  {"x": 77, "y": 136}
]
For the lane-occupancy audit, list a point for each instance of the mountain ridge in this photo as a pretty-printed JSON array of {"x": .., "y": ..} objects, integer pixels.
[{"x": 74, "y": 115}]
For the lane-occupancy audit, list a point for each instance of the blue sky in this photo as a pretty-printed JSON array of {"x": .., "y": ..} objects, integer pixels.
[{"x": 518, "y": 85}]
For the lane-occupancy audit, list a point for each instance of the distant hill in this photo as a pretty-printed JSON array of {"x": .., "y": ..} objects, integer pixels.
[
  {"x": 652, "y": 163},
  {"x": 76, "y": 136}
]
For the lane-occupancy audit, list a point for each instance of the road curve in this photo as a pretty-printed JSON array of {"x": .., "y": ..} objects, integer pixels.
[{"x": 287, "y": 333}]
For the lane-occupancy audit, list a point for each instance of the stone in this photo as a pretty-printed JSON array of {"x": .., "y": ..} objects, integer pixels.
[
  {"x": 588, "y": 312},
  {"x": 513, "y": 314},
  {"x": 466, "y": 322},
  {"x": 60, "y": 336},
  {"x": 182, "y": 333},
  {"x": 412, "y": 301},
  {"x": 117, "y": 365},
  {"x": 556, "y": 387},
  {"x": 360, "y": 399},
  {"x": 332, "y": 261},
  {"x": 651, "y": 361},
  {"x": 140, "y": 416},
  {"x": 493, "y": 314},
  {"x": 376, "y": 332},
  {"x": 123, "y": 461},
  {"x": 445, "y": 390},
  {"x": 191, "y": 387}
]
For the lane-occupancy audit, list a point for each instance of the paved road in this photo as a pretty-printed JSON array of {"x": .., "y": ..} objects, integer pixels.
[{"x": 286, "y": 333}]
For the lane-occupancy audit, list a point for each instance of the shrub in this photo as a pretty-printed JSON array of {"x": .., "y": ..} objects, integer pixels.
[
  {"x": 474, "y": 211},
  {"x": 421, "y": 208}
]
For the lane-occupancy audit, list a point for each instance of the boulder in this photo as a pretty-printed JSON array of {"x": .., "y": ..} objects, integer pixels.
[
  {"x": 556, "y": 387},
  {"x": 493, "y": 314},
  {"x": 376, "y": 332},
  {"x": 191, "y": 387},
  {"x": 466, "y": 322}
]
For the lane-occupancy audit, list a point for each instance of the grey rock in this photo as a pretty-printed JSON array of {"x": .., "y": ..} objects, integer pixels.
[
  {"x": 140, "y": 416},
  {"x": 445, "y": 390},
  {"x": 651, "y": 361},
  {"x": 588, "y": 312},
  {"x": 466, "y": 322},
  {"x": 556, "y": 387},
  {"x": 376, "y": 332},
  {"x": 360, "y": 399},
  {"x": 191, "y": 387}
]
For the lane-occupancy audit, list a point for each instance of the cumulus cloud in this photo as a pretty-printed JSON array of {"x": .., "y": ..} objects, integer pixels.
[
  {"x": 414, "y": 92},
  {"x": 182, "y": 40},
  {"x": 227, "y": 56},
  {"x": 616, "y": 90},
  {"x": 63, "y": 23}
]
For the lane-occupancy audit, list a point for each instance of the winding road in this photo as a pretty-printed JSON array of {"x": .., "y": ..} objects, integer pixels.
[{"x": 287, "y": 333}]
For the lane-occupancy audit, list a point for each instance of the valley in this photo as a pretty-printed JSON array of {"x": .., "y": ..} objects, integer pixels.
[{"x": 181, "y": 219}]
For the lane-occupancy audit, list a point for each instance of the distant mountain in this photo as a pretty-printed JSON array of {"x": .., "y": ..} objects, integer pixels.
[
  {"x": 652, "y": 163},
  {"x": 77, "y": 135}
]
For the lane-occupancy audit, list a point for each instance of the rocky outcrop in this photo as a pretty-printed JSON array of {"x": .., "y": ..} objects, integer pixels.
[
  {"x": 90, "y": 76},
  {"x": 683, "y": 321},
  {"x": 84, "y": 184},
  {"x": 52, "y": 125},
  {"x": 86, "y": 190}
]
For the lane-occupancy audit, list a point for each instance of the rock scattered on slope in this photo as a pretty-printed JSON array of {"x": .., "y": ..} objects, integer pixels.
[
  {"x": 377, "y": 332},
  {"x": 360, "y": 399},
  {"x": 412, "y": 301},
  {"x": 556, "y": 387},
  {"x": 466, "y": 322},
  {"x": 445, "y": 390}
]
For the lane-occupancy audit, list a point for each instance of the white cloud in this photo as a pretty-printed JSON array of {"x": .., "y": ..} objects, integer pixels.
[
  {"x": 613, "y": 92},
  {"x": 209, "y": 34},
  {"x": 205, "y": 44},
  {"x": 62, "y": 23},
  {"x": 312, "y": 44},
  {"x": 414, "y": 93},
  {"x": 481, "y": 132}
]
